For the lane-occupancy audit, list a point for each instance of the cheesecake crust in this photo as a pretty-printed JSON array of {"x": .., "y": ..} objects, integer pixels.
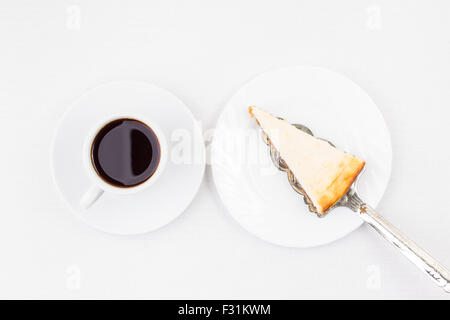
[{"x": 339, "y": 187}]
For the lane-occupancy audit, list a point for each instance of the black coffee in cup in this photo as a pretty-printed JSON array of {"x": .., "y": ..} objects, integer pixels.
[{"x": 125, "y": 153}]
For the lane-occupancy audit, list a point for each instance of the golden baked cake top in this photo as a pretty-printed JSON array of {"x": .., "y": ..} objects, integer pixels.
[{"x": 324, "y": 172}]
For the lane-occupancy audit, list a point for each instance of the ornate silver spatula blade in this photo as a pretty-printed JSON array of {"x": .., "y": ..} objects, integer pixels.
[{"x": 421, "y": 259}]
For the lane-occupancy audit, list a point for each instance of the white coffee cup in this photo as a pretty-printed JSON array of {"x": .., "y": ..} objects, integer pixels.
[{"x": 99, "y": 185}]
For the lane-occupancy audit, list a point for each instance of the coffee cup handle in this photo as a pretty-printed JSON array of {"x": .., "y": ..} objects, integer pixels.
[{"x": 91, "y": 196}]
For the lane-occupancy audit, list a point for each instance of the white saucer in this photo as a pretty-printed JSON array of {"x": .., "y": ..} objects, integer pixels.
[
  {"x": 155, "y": 206},
  {"x": 257, "y": 195}
]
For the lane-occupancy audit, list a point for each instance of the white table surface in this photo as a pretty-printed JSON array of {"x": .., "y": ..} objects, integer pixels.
[{"x": 52, "y": 51}]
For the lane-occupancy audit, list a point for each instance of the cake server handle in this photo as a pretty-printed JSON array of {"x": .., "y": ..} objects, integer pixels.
[{"x": 426, "y": 263}]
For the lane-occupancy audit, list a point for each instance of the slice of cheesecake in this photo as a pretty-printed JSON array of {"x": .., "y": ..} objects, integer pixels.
[{"x": 324, "y": 172}]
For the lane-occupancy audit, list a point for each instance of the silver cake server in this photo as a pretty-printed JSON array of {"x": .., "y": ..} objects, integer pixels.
[{"x": 421, "y": 259}]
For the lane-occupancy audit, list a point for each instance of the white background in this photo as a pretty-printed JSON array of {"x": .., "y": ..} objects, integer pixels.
[{"x": 203, "y": 51}]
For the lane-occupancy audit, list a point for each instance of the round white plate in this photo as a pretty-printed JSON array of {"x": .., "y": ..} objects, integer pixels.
[
  {"x": 155, "y": 206},
  {"x": 257, "y": 195}
]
